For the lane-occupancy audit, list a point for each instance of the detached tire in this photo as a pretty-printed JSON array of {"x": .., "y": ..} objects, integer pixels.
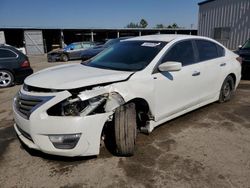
[
  {"x": 227, "y": 89},
  {"x": 125, "y": 129},
  {"x": 64, "y": 58}
]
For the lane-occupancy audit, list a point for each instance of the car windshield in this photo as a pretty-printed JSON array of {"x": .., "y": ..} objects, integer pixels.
[
  {"x": 127, "y": 55},
  {"x": 246, "y": 45},
  {"x": 69, "y": 47}
]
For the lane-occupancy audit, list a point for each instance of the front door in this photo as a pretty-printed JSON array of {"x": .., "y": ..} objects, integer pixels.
[{"x": 177, "y": 91}]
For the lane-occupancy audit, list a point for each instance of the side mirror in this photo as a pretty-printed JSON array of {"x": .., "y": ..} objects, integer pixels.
[
  {"x": 170, "y": 66},
  {"x": 240, "y": 46}
]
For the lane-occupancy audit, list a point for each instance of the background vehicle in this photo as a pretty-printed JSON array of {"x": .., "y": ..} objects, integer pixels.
[
  {"x": 14, "y": 66},
  {"x": 70, "y": 52},
  {"x": 244, "y": 53},
  {"x": 91, "y": 52},
  {"x": 136, "y": 84}
]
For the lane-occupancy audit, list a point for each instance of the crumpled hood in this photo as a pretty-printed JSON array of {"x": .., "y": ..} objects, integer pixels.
[
  {"x": 56, "y": 51},
  {"x": 74, "y": 76}
]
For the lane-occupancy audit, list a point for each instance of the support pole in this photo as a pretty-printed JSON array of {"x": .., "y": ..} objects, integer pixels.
[
  {"x": 92, "y": 36},
  {"x": 62, "y": 39}
]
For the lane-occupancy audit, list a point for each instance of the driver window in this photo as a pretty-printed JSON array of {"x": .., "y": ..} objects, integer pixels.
[
  {"x": 77, "y": 46},
  {"x": 182, "y": 52}
]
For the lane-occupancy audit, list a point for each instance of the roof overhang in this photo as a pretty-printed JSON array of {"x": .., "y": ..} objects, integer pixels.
[{"x": 205, "y": 2}]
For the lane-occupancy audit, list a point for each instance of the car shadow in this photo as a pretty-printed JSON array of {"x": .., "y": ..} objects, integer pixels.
[{"x": 109, "y": 134}]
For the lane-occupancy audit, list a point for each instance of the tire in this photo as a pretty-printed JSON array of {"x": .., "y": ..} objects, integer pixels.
[
  {"x": 64, "y": 58},
  {"x": 6, "y": 78},
  {"x": 125, "y": 129},
  {"x": 227, "y": 89}
]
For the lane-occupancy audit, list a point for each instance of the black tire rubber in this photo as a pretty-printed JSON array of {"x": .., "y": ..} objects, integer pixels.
[
  {"x": 11, "y": 81},
  {"x": 125, "y": 129},
  {"x": 228, "y": 82},
  {"x": 64, "y": 58}
]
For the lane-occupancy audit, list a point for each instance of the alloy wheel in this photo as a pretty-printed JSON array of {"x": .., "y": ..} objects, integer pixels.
[{"x": 5, "y": 79}]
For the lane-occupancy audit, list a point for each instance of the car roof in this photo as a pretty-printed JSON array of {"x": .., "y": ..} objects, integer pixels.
[{"x": 166, "y": 37}]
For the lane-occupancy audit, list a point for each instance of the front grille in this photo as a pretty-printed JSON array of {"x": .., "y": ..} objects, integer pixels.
[
  {"x": 26, "y": 104},
  {"x": 26, "y": 135}
]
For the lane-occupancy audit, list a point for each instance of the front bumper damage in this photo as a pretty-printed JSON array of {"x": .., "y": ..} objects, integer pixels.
[{"x": 35, "y": 129}]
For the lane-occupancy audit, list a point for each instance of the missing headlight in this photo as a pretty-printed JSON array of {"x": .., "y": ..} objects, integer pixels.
[
  {"x": 73, "y": 107},
  {"x": 77, "y": 107}
]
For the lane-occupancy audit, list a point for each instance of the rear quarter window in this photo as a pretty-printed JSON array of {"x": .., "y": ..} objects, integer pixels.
[
  {"x": 220, "y": 50},
  {"x": 208, "y": 50},
  {"x": 6, "y": 53}
]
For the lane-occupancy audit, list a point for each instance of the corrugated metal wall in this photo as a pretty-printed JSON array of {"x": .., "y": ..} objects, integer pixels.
[{"x": 234, "y": 14}]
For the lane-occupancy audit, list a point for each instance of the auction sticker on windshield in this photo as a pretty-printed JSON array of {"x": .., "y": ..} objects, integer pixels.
[{"x": 150, "y": 44}]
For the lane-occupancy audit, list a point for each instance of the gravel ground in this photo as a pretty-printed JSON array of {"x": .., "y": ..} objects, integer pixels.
[{"x": 209, "y": 147}]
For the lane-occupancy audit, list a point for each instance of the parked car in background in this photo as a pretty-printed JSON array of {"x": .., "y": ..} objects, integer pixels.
[
  {"x": 244, "y": 53},
  {"x": 135, "y": 85},
  {"x": 14, "y": 66},
  {"x": 70, "y": 52},
  {"x": 91, "y": 52}
]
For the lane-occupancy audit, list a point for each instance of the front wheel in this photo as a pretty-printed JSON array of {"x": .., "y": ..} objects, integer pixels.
[
  {"x": 64, "y": 58},
  {"x": 227, "y": 89},
  {"x": 125, "y": 129}
]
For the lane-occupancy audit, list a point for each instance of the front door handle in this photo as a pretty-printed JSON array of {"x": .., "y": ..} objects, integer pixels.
[
  {"x": 223, "y": 64},
  {"x": 196, "y": 73}
]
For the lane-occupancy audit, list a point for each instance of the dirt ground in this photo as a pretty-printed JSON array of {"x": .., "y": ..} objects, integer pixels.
[{"x": 209, "y": 147}]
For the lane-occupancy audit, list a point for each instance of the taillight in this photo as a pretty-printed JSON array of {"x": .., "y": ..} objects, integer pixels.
[
  {"x": 239, "y": 59},
  {"x": 25, "y": 64}
]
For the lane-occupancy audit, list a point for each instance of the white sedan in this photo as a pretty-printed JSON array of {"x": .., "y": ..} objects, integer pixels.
[{"x": 134, "y": 85}]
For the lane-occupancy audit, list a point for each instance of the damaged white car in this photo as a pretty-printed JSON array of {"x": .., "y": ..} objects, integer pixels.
[{"x": 137, "y": 84}]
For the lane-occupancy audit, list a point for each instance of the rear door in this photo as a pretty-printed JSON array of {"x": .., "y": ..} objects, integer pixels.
[{"x": 212, "y": 59}]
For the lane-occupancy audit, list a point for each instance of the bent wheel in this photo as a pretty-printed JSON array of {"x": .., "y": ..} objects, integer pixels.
[{"x": 125, "y": 129}]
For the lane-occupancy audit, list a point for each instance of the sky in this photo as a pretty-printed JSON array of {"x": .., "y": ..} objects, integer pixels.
[{"x": 97, "y": 13}]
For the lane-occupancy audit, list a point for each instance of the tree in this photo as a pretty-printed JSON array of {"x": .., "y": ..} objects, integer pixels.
[
  {"x": 174, "y": 25},
  {"x": 133, "y": 25},
  {"x": 160, "y": 26},
  {"x": 143, "y": 23}
]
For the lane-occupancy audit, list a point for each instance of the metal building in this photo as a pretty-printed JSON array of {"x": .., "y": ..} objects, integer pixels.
[
  {"x": 42, "y": 40},
  {"x": 227, "y": 21}
]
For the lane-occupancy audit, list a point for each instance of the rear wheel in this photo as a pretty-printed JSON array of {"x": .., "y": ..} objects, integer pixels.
[
  {"x": 6, "y": 78},
  {"x": 227, "y": 89},
  {"x": 64, "y": 57},
  {"x": 125, "y": 129}
]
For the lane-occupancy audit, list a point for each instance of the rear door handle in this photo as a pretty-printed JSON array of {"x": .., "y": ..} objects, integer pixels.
[
  {"x": 223, "y": 64},
  {"x": 196, "y": 73}
]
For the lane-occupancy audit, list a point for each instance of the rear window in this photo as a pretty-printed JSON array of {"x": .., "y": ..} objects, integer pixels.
[
  {"x": 5, "y": 53},
  {"x": 208, "y": 50}
]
